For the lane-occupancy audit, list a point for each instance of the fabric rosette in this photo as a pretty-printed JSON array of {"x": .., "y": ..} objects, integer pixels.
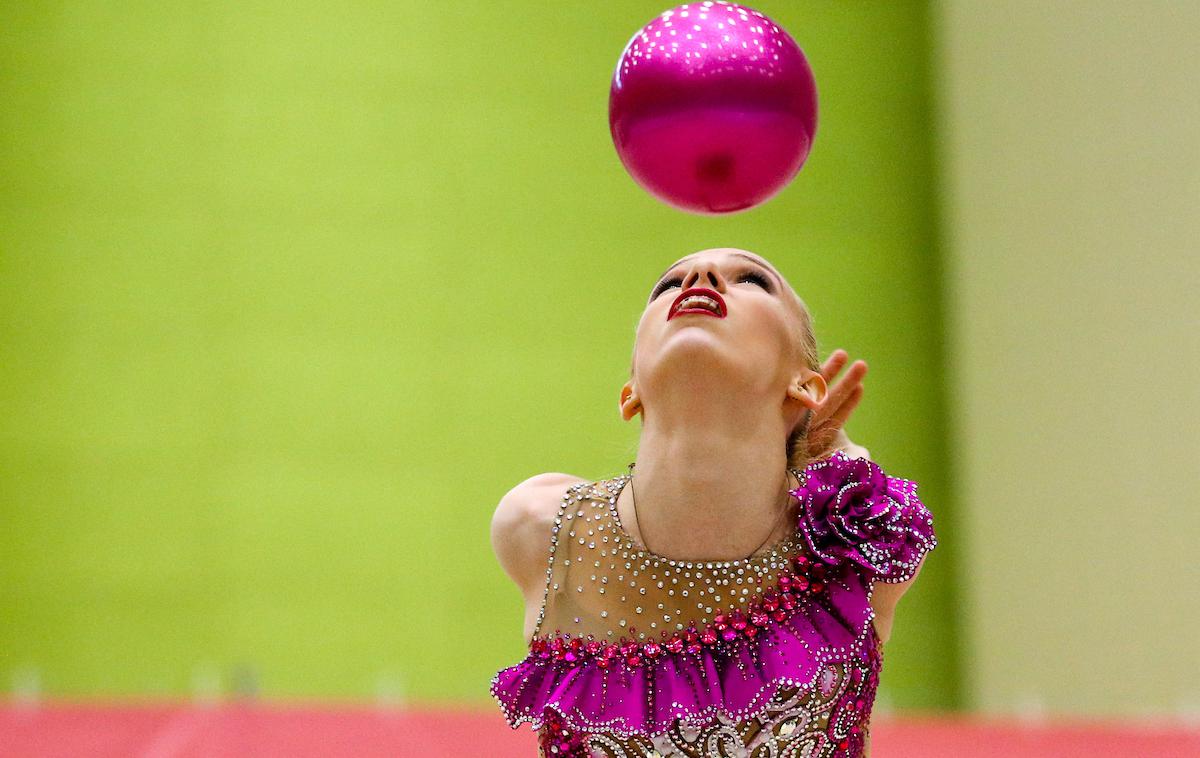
[{"x": 852, "y": 511}]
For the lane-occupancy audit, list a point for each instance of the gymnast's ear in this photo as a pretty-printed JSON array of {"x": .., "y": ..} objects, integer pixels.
[
  {"x": 630, "y": 404},
  {"x": 809, "y": 388}
]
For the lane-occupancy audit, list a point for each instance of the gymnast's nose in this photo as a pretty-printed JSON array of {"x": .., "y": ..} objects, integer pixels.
[{"x": 704, "y": 274}]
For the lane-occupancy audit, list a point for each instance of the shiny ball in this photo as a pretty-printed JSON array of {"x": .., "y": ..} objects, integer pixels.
[{"x": 712, "y": 108}]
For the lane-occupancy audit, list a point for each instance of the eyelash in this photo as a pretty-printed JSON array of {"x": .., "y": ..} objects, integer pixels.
[{"x": 762, "y": 282}]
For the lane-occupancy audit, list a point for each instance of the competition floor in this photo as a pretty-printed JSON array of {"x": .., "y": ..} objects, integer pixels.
[{"x": 259, "y": 730}]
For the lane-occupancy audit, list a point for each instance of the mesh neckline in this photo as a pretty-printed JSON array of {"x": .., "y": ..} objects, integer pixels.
[{"x": 770, "y": 554}]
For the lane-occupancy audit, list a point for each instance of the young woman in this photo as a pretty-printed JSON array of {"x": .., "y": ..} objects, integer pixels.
[{"x": 732, "y": 597}]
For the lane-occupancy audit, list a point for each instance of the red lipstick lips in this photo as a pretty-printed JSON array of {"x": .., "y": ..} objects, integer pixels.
[{"x": 716, "y": 296}]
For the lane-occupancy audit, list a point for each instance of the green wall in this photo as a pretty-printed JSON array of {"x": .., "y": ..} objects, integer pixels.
[{"x": 292, "y": 293}]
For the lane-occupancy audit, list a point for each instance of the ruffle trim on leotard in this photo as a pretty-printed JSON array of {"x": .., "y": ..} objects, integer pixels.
[{"x": 861, "y": 523}]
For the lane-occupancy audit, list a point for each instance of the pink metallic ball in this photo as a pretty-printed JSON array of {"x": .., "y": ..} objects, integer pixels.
[{"x": 713, "y": 107}]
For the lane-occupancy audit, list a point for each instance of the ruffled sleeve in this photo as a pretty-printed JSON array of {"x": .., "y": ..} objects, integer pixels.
[{"x": 851, "y": 510}]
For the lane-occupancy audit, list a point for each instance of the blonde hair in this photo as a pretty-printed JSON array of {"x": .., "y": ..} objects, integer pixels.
[
  {"x": 796, "y": 445},
  {"x": 797, "y": 441}
]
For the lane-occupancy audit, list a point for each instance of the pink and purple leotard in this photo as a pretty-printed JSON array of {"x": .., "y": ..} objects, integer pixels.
[{"x": 635, "y": 654}]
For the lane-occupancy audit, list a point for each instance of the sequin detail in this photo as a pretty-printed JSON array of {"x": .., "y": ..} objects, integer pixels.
[
  {"x": 653, "y": 654},
  {"x": 831, "y": 719},
  {"x": 852, "y": 511},
  {"x": 792, "y": 590}
]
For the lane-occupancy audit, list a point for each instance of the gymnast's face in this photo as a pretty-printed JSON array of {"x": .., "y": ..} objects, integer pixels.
[{"x": 751, "y": 342}]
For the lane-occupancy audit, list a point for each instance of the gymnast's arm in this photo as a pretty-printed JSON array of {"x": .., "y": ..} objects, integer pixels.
[
  {"x": 520, "y": 535},
  {"x": 885, "y": 595}
]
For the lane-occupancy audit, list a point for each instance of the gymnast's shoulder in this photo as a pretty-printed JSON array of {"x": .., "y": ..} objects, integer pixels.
[{"x": 521, "y": 526}]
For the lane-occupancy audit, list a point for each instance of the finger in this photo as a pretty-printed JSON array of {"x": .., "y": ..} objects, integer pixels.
[
  {"x": 842, "y": 387},
  {"x": 846, "y": 408},
  {"x": 835, "y": 414},
  {"x": 838, "y": 391},
  {"x": 834, "y": 364},
  {"x": 857, "y": 371}
]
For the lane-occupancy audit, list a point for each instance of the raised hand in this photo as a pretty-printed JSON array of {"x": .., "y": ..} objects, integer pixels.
[{"x": 825, "y": 430}]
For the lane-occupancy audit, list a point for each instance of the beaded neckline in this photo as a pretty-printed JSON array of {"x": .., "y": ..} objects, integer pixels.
[
  {"x": 721, "y": 646},
  {"x": 778, "y": 548}
]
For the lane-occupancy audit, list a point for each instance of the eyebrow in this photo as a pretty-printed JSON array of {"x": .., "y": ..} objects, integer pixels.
[{"x": 740, "y": 255}]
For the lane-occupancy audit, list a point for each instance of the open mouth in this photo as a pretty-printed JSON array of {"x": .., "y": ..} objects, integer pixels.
[{"x": 698, "y": 300}]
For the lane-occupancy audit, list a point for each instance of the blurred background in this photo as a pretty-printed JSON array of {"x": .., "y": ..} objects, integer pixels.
[{"x": 292, "y": 293}]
